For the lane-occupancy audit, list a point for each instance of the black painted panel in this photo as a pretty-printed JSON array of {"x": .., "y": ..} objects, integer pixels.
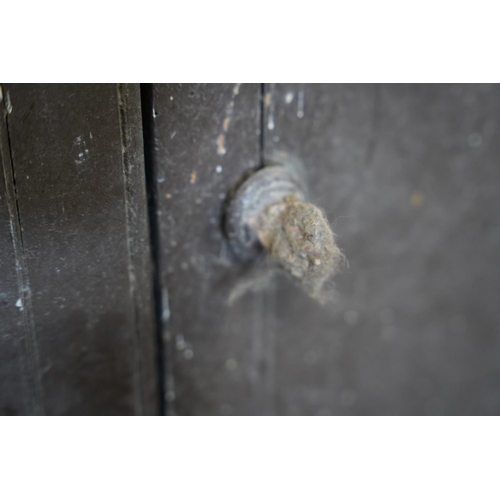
[
  {"x": 206, "y": 137},
  {"x": 79, "y": 180},
  {"x": 16, "y": 391}
]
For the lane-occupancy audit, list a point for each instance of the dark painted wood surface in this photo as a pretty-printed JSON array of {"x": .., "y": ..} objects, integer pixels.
[
  {"x": 17, "y": 389},
  {"x": 205, "y": 138},
  {"x": 80, "y": 303},
  {"x": 409, "y": 177}
]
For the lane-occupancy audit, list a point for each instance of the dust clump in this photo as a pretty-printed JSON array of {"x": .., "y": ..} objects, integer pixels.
[{"x": 298, "y": 238}]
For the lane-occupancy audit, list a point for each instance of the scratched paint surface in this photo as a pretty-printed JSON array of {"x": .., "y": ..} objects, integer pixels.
[{"x": 16, "y": 389}]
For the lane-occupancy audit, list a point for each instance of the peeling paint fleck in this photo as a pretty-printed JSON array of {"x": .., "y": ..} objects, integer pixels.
[
  {"x": 83, "y": 154},
  {"x": 165, "y": 306},
  {"x": 8, "y": 103},
  {"x": 221, "y": 140},
  {"x": 270, "y": 104},
  {"x": 221, "y": 148},
  {"x": 300, "y": 105}
]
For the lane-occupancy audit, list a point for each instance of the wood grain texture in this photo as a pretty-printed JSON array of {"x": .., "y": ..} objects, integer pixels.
[{"x": 78, "y": 177}]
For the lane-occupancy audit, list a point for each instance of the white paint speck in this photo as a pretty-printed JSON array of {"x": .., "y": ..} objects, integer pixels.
[
  {"x": 8, "y": 103},
  {"x": 289, "y": 97},
  {"x": 221, "y": 148},
  {"x": 300, "y": 104},
  {"x": 269, "y": 103},
  {"x": 84, "y": 152},
  {"x": 165, "y": 306},
  {"x": 171, "y": 97},
  {"x": 172, "y": 135},
  {"x": 19, "y": 303},
  {"x": 270, "y": 122},
  {"x": 90, "y": 135},
  {"x": 218, "y": 169}
]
